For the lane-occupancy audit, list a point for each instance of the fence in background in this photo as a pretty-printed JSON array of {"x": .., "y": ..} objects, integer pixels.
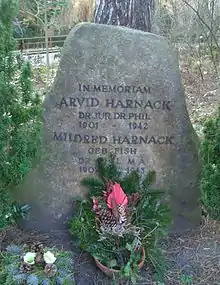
[
  {"x": 34, "y": 49},
  {"x": 39, "y": 43}
]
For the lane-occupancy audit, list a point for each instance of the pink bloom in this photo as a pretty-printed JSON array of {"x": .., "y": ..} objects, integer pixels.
[{"x": 117, "y": 197}]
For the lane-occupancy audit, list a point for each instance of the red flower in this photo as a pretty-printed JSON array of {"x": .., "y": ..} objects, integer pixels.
[{"x": 117, "y": 197}]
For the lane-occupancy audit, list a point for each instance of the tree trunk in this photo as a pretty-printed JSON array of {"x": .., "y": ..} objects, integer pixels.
[{"x": 136, "y": 14}]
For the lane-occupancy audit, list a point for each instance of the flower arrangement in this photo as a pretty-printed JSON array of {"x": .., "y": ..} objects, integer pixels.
[
  {"x": 114, "y": 215},
  {"x": 121, "y": 219},
  {"x": 36, "y": 265}
]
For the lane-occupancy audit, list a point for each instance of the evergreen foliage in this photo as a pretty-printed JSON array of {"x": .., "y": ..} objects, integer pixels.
[
  {"x": 20, "y": 113},
  {"x": 210, "y": 154},
  {"x": 152, "y": 215},
  {"x": 10, "y": 268}
]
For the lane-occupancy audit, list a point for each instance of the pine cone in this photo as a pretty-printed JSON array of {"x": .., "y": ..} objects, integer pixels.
[
  {"x": 50, "y": 270},
  {"x": 39, "y": 259},
  {"x": 37, "y": 247},
  {"x": 106, "y": 220},
  {"x": 25, "y": 267},
  {"x": 122, "y": 214}
]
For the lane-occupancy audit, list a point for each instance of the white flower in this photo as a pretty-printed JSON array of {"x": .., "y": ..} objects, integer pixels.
[
  {"x": 29, "y": 257},
  {"x": 49, "y": 257}
]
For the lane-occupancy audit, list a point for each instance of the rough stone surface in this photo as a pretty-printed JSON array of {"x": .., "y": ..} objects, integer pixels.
[{"x": 116, "y": 90}]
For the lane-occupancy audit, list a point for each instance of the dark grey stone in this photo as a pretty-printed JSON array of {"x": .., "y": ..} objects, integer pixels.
[{"x": 128, "y": 84}]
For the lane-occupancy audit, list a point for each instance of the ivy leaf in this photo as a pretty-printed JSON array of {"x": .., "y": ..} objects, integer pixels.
[
  {"x": 127, "y": 270},
  {"x": 133, "y": 279},
  {"x": 129, "y": 247},
  {"x": 112, "y": 263}
]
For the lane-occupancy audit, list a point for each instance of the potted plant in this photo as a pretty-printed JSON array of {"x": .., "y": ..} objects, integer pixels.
[{"x": 121, "y": 220}]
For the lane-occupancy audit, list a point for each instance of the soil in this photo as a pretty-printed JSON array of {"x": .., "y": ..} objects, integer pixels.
[
  {"x": 201, "y": 89},
  {"x": 193, "y": 257}
]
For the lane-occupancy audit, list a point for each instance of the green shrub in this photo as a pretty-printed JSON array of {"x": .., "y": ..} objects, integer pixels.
[
  {"x": 210, "y": 154},
  {"x": 20, "y": 112}
]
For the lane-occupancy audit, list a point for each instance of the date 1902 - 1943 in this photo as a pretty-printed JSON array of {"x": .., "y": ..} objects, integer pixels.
[{"x": 91, "y": 169}]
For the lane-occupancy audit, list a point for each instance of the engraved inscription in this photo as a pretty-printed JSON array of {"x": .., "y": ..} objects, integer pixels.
[
  {"x": 133, "y": 114},
  {"x": 113, "y": 103},
  {"x": 114, "y": 89}
]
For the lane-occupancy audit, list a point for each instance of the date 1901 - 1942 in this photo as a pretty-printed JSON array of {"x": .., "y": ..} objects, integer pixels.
[{"x": 95, "y": 125}]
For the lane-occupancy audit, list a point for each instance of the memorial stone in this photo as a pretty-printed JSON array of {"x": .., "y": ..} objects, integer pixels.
[{"x": 117, "y": 90}]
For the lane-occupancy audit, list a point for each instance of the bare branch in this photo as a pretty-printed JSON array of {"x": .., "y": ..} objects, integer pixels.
[
  {"x": 38, "y": 8},
  {"x": 204, "y": 23},
  {"x": 33, "y": 15}
]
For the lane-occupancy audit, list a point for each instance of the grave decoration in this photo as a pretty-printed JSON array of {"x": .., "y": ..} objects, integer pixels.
[
  {"x": 36, "y": 264},
  {"x": 121, "y": 220}
]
